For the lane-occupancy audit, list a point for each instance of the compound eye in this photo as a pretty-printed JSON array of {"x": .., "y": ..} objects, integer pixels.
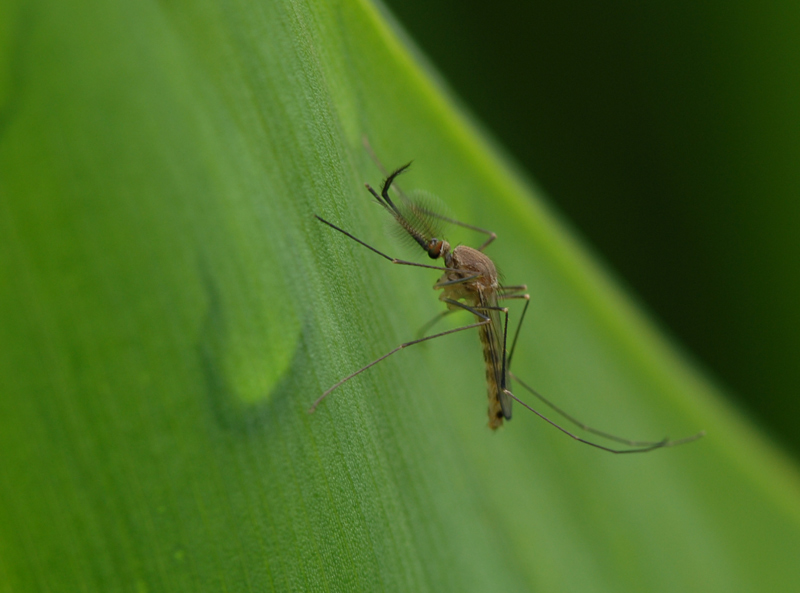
[{"x": 434, "y": 248}]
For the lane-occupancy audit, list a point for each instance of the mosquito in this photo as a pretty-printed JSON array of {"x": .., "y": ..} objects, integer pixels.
[{"x": 470, "y": 282}]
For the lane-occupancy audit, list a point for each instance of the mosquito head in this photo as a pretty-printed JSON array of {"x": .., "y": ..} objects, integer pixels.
[{"x": 437, "y": 248}]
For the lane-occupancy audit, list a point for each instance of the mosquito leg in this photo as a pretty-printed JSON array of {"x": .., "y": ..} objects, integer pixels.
[
  {"x": 474, "y": 310},
  {"x": 375, "y": 159},
  {"x": 600, "y": 433},
  {"x": 444, "y": 314},
  {"x": 658, "y": 445},
  {"x": 484, "y": 245},
  {"x": 492, "y": 235},
  {"x": 388, "y": 354},
  {"x": 639, "y": 445},
  {"x": 507, "y": 292},
  {"x": 510, "y": 290},
  {"x": 519, "y": 326},
  {"x": 433, "y": 322},
  {"x": 650, "y": 446},
  {"x": 456, "y": 281},
  {"x": 383, "y": 255}
]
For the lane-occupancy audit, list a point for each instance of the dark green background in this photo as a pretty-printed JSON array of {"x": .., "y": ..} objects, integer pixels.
[{"x": 669, "y": 133}]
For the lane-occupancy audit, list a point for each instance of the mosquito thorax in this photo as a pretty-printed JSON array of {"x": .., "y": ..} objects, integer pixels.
[{"x": 476, "y": 262}]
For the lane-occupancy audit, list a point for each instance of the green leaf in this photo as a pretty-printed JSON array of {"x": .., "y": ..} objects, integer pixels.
[{"x": 170, "y": 309}]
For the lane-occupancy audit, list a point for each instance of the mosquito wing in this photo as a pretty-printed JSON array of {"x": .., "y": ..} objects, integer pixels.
[{"x": 494, "y": 357}]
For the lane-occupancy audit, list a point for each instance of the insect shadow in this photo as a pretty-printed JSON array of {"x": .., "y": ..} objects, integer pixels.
[{"x": 469, "y": 282}]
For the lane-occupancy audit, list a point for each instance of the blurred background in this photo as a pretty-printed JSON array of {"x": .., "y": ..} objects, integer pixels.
[{"x": 668, "y": 134}]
